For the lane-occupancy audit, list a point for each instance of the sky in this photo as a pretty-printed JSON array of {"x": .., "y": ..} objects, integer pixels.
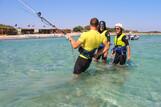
[{"x": 141, "y": 15}]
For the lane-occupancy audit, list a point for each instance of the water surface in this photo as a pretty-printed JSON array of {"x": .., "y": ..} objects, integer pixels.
[{"x": 38, "y": 73}]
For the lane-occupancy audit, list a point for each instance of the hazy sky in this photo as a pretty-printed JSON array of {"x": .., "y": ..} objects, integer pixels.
[{"x": 142, "y": 15}]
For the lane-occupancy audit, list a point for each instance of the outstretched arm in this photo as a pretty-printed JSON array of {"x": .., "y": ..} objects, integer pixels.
[
  {"x": 107, "y": 49},
  {"x": 75, "y": 44},
  {"x": 107, "y": 46}
]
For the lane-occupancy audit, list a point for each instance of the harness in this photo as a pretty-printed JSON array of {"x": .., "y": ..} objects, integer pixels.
[
  {"x": 120, "y": 50},
  {"x": 87, "y": 54}
]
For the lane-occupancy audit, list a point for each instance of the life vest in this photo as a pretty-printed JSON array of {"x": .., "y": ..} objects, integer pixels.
[
  {"x": 118, "y": 41},
  {"x": 86, "y": 54},
  {"x": 120, "y": 46},
  {"x": 103, "y": 34}
]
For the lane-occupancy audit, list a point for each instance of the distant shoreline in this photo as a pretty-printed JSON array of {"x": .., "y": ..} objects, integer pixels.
[
  {"x": 141, "y": 34},
  {"x": 36, "y": 36}
]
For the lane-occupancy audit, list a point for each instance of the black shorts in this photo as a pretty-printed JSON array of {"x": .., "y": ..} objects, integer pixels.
[
  {"x": 81, "y": 65},
  {"x": 120, "y": 59}
]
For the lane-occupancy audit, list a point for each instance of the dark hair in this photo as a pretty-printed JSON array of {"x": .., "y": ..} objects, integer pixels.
[
  {"x": 94, "y": 22},
  {"x": 102, "y": 24}
]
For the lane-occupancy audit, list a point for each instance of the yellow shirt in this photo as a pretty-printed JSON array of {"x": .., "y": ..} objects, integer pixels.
[{"x": 91, "y": 40}]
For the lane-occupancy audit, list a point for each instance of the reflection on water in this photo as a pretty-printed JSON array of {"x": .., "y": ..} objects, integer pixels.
[{"x": 38, "y": 73}]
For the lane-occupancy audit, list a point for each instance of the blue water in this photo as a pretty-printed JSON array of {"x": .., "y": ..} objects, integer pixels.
[{"x": 38, "y": 73}]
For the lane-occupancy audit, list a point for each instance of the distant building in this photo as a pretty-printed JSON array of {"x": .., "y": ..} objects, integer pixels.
[
  {"x": 27, "y": 31},
  {"x": 46, "y": 31},
  {"x": 62, "y": 30},
  {"x": 18, "y": 31},
  {"x": 9, "y": 30}
]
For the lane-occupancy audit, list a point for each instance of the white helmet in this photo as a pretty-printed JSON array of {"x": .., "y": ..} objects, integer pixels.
[{"x": 118, "y": 25}]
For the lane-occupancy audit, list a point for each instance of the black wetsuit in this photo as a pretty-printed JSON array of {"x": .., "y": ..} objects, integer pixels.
[
  {"x": 121, "y": 58},
  {"x": 81, "y": 65}
]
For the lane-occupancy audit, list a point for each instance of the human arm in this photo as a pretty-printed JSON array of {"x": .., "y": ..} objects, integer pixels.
[
  {"x": 106, "y": 48},
  {"x": 103, "y": 51},
  {"x": 128, "y": 53},
  {"x": 125, "y": 40},
  {"x": 75, "y": 44},
  {"x": 107, "y": 34}
]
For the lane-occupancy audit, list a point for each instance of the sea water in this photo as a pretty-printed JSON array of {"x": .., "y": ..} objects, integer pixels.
[{"x": 38, "y": 73}]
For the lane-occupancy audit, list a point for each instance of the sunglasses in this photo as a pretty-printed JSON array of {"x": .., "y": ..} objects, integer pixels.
[{"x": 117, "y": 28}]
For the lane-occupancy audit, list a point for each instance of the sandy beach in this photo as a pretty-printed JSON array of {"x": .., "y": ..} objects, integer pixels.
[
  {"x": 140, "y": 34},
  {"x": 35, "y": 36}
]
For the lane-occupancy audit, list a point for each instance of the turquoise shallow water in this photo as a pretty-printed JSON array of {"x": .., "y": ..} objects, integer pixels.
[{"x": 38, "y": 73}]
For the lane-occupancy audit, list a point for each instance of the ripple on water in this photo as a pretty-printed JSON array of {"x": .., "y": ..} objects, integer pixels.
[{"x": 40, "y": 75}]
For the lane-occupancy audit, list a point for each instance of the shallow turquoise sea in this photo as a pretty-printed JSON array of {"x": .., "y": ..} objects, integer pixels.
[{"x": 38, "y": 73}]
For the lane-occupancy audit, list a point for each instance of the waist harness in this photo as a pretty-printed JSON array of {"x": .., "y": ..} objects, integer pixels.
[
  {"x": 87, "y": 54},
  {"x": 120, "y": 50}
]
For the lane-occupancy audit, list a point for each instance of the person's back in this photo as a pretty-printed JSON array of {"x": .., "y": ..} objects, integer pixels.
[
  {"x": 88, "y": 43},
  {"x": 90, "y": 40}
]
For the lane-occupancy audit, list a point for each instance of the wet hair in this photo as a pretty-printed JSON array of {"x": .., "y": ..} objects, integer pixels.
[{"x": 94, "y": 22}]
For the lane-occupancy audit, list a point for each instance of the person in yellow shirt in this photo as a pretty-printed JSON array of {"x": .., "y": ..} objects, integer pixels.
[{"x": 87, "y": 43}]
